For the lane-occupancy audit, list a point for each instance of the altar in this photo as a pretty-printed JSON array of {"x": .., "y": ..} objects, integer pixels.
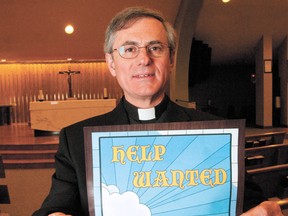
[{"x": 54, "y": 115}]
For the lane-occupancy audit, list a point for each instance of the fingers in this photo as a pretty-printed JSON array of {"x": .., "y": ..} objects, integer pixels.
[{"x": 266, "y": 208}]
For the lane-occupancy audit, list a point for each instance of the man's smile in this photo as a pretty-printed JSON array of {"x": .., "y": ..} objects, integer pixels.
[{"x": 141, "y": 76}]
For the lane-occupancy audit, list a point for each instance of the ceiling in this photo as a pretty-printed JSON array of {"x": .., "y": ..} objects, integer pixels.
[
  {"x": 234, "y": 29},
  {"x": 34, "y": 29}
]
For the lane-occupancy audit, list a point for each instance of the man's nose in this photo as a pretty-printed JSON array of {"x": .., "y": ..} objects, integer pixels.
[{"x": 144, "y": 56}]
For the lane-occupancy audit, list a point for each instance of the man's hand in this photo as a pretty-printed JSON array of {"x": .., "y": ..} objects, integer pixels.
[
  {"x": 58, "y": 214},
  {"x": 266, "y": 208}
]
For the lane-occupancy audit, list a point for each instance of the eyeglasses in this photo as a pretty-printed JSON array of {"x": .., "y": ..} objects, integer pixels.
[{"x": 132, "y": 51}]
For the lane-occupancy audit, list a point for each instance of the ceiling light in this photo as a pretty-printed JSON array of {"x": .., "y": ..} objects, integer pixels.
[
  {"x": 69, "y": 29},
  {"x": 225, "y": 1}
]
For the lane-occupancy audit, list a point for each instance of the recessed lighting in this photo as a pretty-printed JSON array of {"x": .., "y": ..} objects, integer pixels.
[
  {"x": 69, "y": 29},
  {"x": 225, "y": 1}
]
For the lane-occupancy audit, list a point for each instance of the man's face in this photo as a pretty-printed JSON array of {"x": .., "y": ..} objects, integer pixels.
[{"x": 143, "y": 77}]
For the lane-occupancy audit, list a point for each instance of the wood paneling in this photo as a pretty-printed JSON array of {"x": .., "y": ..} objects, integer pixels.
[{"x": 20, "y": 83}]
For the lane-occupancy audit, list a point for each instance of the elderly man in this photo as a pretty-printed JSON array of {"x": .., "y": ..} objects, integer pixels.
[{"x": 139, "y": 46}]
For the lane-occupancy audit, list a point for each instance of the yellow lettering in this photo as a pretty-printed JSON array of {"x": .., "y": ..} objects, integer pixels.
[
  {"x": 177, "y": 181},
  {"x": 192, "y": 176},
  {"x": 144, "y": 155},
  {"x": 142, "y": 179},
  {"x": 159, "y": 151},
  {"x": 132, "y": 153},
  {"x": 118, "y": 151},
  {"x": 161, "y": 180},
  {"x": 137, "y": 153},
  {"x": 218, "y": 174},
  {"x": 205, "y": 177}
]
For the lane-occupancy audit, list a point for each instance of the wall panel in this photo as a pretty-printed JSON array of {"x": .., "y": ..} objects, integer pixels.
[{"x": 20, "y": 83}]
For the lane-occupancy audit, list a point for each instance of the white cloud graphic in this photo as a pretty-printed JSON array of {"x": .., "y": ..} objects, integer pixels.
[{"x": 126, "y": 204}]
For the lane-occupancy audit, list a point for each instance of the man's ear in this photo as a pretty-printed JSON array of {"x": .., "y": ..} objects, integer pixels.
[
  {"x": 172, "y": 58},
  {"x": 110, "y": 63}
]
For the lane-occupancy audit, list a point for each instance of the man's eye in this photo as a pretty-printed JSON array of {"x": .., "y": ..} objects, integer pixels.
[
  {"x": 156, "y": 48},
  {"x": 130, "y": 49}
]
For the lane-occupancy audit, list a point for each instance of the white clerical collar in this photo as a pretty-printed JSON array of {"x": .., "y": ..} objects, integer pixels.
[{"x": 146, "y": 114}]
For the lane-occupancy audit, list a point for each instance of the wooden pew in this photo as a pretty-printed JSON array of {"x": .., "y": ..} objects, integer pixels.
[
  {"x": 266, "y": 161},
  {"x": 4, "y": 195},
  {"x": 276, "y": 137}
]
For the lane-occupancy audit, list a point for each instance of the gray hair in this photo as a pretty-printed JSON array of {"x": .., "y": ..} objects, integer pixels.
[{"x": 128, "y": 16}]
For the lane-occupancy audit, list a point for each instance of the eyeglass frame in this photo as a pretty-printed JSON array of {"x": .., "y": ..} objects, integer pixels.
[{"x": 164, "y": 46}]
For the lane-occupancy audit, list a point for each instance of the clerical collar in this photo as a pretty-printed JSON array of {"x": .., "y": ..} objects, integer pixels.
[
  {"x": 137, "y": 114},
  {"x": 146, "y": 114}
]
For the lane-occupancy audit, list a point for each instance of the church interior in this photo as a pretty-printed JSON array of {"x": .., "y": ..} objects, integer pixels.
[{"x": 231, "y": 61}]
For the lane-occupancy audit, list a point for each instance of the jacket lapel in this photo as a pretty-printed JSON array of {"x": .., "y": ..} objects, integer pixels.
[
  {"x": 118, "y": 116},
  {"x": 176, "y": 114}
]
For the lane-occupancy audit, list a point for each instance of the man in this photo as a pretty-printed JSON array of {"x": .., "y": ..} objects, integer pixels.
[{"x": 139, "y": 47}]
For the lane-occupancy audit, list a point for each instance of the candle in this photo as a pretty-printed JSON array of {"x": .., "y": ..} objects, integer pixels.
[
  {"x": 105, "y": 93},
  {"x": 40, "y": 95}
]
